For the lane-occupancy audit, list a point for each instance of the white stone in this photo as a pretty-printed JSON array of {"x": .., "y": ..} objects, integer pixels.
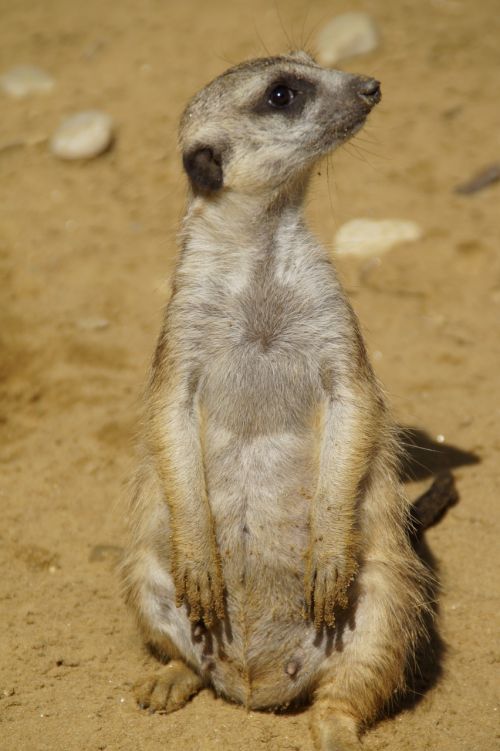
[
  {"x": 92, "y": 324},
  {"x": 25, "y": 80},
  {"x": 371, "y": 237},
  {"x": 345, "y": 36},
  {"x": 83, "y": 136}
]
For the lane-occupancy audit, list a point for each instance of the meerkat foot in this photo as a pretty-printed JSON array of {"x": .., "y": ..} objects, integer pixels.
[
  {"x": 168, "y": 689},
  {"x": 333, "y": 730}
]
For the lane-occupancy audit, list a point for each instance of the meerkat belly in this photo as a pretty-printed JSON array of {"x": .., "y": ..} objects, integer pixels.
[
  {"x": 261, "y": 517},
  {"x": 261, "y": 463}
]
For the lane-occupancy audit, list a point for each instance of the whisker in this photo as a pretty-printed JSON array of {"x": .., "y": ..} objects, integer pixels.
[
  {"x": 225, "y": 60},
  {"x": 313, "y": 31},
  {"x": 303, "y": 29},
  {"x": 419, "y": 448},
  {"x": 347, "y": 148},
  {"x": 259, "y": 37},
  {"x": 287, "y": 37}
]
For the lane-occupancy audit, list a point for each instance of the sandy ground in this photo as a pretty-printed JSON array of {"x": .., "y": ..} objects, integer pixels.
[{"x": 80, "y": 242}]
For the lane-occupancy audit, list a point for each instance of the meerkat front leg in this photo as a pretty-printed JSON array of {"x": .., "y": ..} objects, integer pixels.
[
  {"x": 348, "y": 432},
  {"x": 177, "y": 447}
]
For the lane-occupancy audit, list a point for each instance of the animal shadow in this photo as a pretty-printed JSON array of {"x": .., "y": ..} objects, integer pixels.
[{"x": 425, "y": 458}]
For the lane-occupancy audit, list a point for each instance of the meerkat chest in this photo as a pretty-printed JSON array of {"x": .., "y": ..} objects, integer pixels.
[{"x": 262, "y": 351}]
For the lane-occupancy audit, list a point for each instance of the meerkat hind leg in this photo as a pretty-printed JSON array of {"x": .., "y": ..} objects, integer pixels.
[{"x": 168, "y": 689}]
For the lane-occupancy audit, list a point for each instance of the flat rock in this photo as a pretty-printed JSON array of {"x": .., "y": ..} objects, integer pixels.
[
  {"x": 83, "y": 136},
  {"x": 92, "y": 324},
  {"x": 346, "y": 35},
  {"x": 372, "y": 237},
  {"x": 24, "y": 80}
]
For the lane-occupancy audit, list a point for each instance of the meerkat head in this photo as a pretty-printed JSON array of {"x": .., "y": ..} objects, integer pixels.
[{"x": 264, "y": 123}]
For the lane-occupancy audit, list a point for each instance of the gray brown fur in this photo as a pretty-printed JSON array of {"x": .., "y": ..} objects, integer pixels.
[{"x": 269, "y": 557}]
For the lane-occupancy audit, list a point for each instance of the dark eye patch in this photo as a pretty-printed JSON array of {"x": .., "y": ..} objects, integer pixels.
[{"x": 286, "y": 95}]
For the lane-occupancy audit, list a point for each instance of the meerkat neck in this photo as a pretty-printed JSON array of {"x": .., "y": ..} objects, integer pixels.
[{"x": 230, "y": 221}]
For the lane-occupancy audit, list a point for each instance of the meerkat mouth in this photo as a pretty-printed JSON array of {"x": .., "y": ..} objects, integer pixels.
[
  {"x": 350, "y": 130},
  {"x": 340, "y": 132}
]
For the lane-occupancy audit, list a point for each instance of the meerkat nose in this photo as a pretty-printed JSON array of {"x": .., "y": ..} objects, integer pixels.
[{"x": 369, "y": 91}]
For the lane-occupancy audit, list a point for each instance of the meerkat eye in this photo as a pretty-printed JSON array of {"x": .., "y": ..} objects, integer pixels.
[{"x": 281, "y": 96}]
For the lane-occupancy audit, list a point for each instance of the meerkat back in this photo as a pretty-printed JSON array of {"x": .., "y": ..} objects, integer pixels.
[{"x": 269, "y": 556}]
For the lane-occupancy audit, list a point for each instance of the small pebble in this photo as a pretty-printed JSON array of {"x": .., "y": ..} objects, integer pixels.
[
  {"x": 25, "y": 80},
  {"x": 92, "y": 324},
  {"x": 370, "y": 237},
  {"x": 344, "y": 36},
  {"x": 62, "y": 661},
  {"x": 481, "y": 180},
  {"x": 83, "y": 136},
  {"x": 92, "y": 49}
]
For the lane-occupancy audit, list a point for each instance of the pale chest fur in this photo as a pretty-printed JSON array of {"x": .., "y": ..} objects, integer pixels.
[
  {"x": 256, "y": 345},
  {"x": 255, "y": 334},
  {"x": 259, "y": 394}
]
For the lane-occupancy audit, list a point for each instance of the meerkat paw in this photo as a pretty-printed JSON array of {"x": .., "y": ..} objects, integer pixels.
[
  {"x": 333, "y": 731},
  {"x": 169, "y": 689},
  {"x": 326, "y": 583},
  {"x": 200, "y": 585}
]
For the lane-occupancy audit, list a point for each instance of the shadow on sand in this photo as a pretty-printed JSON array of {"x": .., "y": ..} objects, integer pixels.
[{"x": 425, "y": 458}]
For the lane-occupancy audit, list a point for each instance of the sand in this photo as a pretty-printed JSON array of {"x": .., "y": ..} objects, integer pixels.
[{"x": 86, "y": 252}]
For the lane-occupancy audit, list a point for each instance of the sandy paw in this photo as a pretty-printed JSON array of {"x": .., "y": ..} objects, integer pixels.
[
  {"x": 326, "y": 586},
  {"x": 199, "y": 584},
  {"x": 168, "y": 689}
]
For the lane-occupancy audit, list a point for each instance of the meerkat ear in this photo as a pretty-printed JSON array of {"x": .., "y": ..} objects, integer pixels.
[{"x": 204, "y": 168}]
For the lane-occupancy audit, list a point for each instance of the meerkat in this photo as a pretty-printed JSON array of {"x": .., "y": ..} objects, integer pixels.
[{"x": 270, "y": 557}]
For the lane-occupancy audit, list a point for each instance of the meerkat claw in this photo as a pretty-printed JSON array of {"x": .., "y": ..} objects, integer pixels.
[{"x": 326, "y": 590}]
